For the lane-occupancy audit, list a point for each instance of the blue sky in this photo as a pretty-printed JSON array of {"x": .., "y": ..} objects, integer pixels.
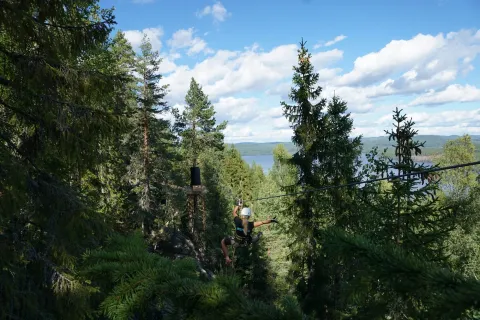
[{"x": 422, "y": 56}]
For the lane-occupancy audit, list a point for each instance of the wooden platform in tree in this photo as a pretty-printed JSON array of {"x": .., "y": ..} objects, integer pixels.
[{"x": 196, "y": 189}]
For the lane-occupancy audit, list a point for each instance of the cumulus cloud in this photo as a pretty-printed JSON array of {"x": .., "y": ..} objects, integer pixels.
[
  {"x": 456, "y": 118},
  {"x": 232, "y": 72},
  {"x": 453, "y": 93},
  {"x": 217, "y": 11},
  {"x": 424, "y": 56},
  {"x": 235, "y": 110},
  {"x": 242, "y": 84},
  {"x": 185, "y": 39},
  {"x": 234, "y": 134},
  {"x": 154, "y": 34},
  {"x": 429, "y": 122},
  {"x": 238, "y": 132}
]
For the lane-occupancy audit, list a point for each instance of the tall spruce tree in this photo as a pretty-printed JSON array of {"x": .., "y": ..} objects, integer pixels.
[
  {"x": 113, "y": 199},
  {"x": 326, "y": 155},
  {"x": 419, "y": 220},
  {"x": 339, "y": 164},
  {"x": 308, "y": 122},
  {"x": 57, "y": 113},
  {"x": 148, "y": 128},
  {"x": 408, "y": 215}
]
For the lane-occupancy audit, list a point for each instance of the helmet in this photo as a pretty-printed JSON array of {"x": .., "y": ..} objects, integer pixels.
[{"x": 245, "y": 212}]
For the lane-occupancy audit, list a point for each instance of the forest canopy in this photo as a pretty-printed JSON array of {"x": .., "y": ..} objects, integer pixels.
[{"x": 99, "y": 220}]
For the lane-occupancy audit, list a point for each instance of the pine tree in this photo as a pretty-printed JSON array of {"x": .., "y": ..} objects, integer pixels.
[
  {"x": 237, "y": 175},
  {"x": 418, "y": 220},
  {"x": 199, "y": 135},
  {"x": 197, "y": 126},
  {"x": 146, "y": 141}
]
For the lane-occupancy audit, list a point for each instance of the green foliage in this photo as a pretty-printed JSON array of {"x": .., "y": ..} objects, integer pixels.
[
  {"x": 136, "y": 283},
  {"x": 429, "y": 291},
  {"x": 411, "y": 211},
  {"x": 58, "y": 113},
  {"x": 148, "y": 147},
  {"x": 405, "y": 213},
  {"x": 308, "y": 122},
  {"x": 197, "y": 125},
  {"x": 276, "y": 239},
  {"x": 462, "y": 193},
  {"x": 457, "y": 183},
  {"x": 326, "y": 156},
  {"x": 201, "y": 142},
  {"x": 237, "y": 175},
  {"x": 86, "y": 156}
]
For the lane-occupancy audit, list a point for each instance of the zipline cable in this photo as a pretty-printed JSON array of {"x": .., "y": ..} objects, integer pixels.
[{"x": 372, "y": 180}]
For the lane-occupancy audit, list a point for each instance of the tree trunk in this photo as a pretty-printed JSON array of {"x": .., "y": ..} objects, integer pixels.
[
  {"x": 146, "y": 164},
  {"x": 399, "y": 142}
]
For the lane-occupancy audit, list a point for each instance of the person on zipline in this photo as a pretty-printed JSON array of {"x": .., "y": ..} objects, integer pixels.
[{"x": 243, "y": 230}]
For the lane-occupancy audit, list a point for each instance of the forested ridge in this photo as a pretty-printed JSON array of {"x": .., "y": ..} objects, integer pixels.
[
  {"x": 433, "y": 146},
  {"x": 95, "y": 214}
]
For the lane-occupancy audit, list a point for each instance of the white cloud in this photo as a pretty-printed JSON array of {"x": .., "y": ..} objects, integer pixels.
[
  {"x": 331, "y": 42},
  {"x": 453, "y": 122},
  {"x": 167, "y": 65},
  {"x": 235, "y": 110},
  {"x": 184, "y": 39},
  {"x": 453, "y": 118},
  {"x": 443, "y": 123},
  {"x": 453, "y": 93},
  {"x": 427, "y": 55},
  {"x": 236, "y": 133},
  {"x": 232, "y": 72},
  {"x": 242, "y": 133},
  {"x": 337, "y": 39},
  {"x": 217, "y": 11},
  {"x": 154, "y": 34},
  {"x": 247, "y": 85}
]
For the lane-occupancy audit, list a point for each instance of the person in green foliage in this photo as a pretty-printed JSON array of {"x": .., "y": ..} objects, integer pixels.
[{"x": 243, "y": 230}]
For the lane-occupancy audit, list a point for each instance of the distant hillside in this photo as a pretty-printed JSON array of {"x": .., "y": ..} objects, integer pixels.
[{"x": 433, "y": 145}]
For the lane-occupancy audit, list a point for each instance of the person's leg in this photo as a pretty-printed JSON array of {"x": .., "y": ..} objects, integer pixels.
[
  {"x": 257, "y": 237},
  {"x": 227, "y": 241}
]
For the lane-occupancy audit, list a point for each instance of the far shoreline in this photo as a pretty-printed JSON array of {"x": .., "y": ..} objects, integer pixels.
[{"x": 427, "y": 158}]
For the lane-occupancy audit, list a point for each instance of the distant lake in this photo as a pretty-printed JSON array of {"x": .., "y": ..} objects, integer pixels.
[{"x": 266, "y": 161}]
